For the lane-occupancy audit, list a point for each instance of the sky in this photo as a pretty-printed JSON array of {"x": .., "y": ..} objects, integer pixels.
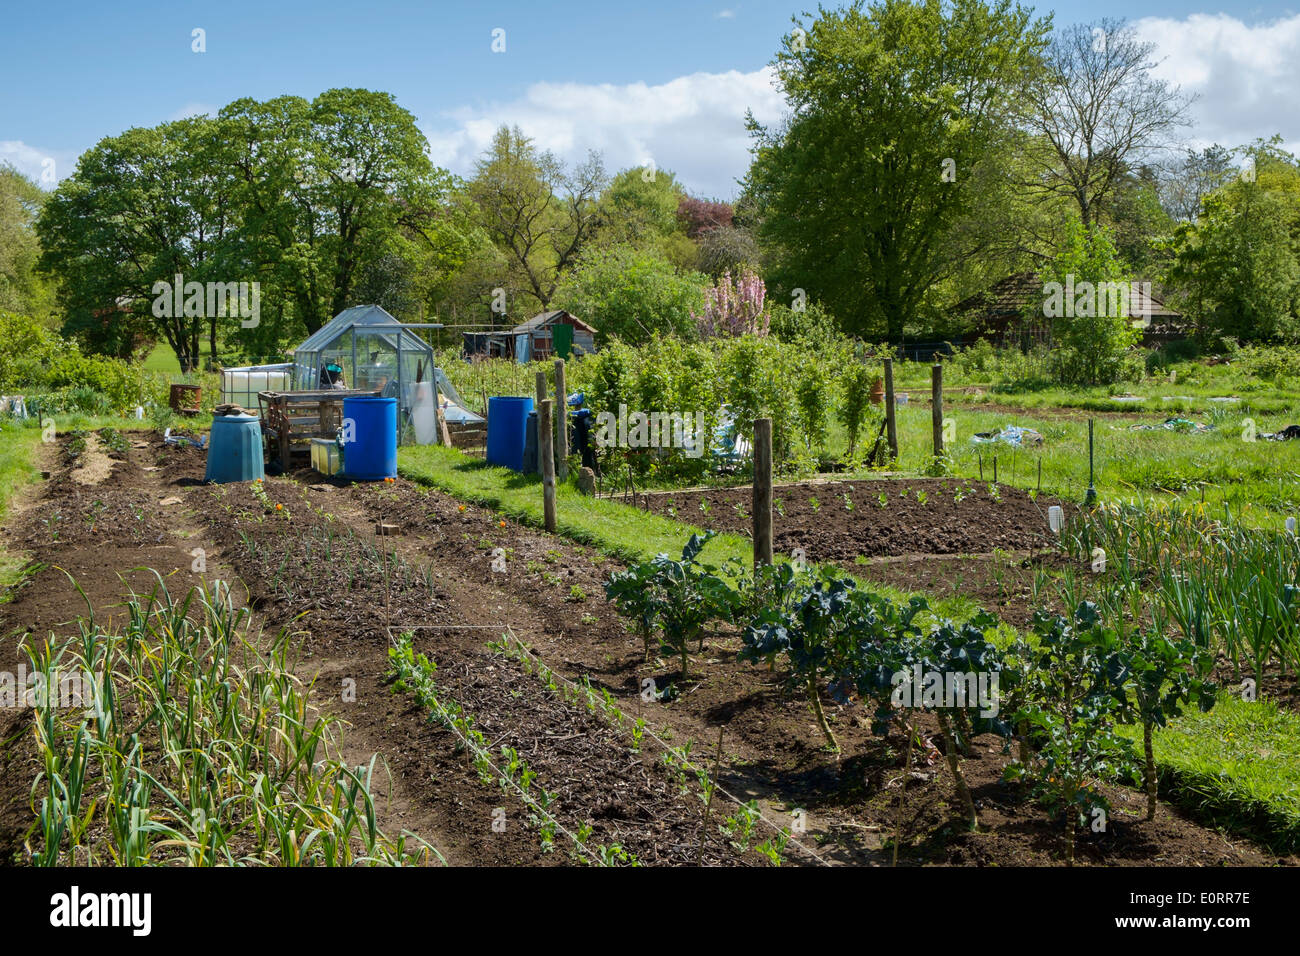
[{"x": 666, "y": 82}]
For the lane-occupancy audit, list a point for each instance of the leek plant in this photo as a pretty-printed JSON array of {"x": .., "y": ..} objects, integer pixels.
[{"x": 198, "y": 747}]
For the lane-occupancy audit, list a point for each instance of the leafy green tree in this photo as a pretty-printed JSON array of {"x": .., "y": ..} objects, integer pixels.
[
  {"x": 538, "y": 213},
  {"x": 1236, "y": 269},
  {"x": 137, "y": 211},
  {"x": 1085, "y": 295},
  {"x": 22, "y": 288},
  {"x": 639, "y": 207},
  {"x": 898, "y": 111},
  {"x": 633, "y": 294}
]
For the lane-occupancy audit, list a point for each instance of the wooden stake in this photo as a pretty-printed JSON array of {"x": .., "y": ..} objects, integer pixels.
[
  {"x": 762, "y": 502},
  {"x": 891, "y": 423},
  {"x": 546, "y": 452},
  {"x": 936, "y": 407},
  {"x": 562, "y": 424}
]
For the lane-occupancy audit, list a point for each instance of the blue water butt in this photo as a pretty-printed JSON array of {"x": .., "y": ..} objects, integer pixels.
[
  {"x": 507, "y": 430},
  {"x": 235, "y": 449},
  {"x": 370, "y": 433}
]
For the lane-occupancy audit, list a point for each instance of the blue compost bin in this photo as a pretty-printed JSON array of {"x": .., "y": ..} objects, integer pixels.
[
  {"x": 371, "y": 453},
  {"x": 507, "y": 430},
  {"x": 235, "y": 449}
]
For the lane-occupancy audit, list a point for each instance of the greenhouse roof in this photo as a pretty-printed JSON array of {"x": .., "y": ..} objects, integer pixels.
[{"x": 362, "y": 317}]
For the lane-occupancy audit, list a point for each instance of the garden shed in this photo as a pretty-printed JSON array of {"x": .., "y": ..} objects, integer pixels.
[{"x": 364, "y": 347}]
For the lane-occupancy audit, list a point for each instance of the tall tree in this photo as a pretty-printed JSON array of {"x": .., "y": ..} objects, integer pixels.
[
  {"x": 134, "y": 213},
  {"x": 1095, "y": 112},
  {"x": 897, "y": 111},
  {"x": 538, "y": 212},
  {"x": 22, "y": 289},
  {"x": 1236, "y": 269}
]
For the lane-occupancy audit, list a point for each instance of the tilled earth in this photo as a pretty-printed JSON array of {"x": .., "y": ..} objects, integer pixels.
[{"x": 307, "y": 559}]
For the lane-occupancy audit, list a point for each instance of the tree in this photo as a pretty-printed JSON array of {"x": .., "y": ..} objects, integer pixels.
[
  {"x": 1095, "y": 112},
  {"x": 1192, "y": 177},
  {"x": 633, "y": 294},
  {"x": 540, "y": 214},
  {"x": 302, "y": 198},
  {"x": 1236, "y": 269},
  {"x": 1086, "y": 295},
  {"x": 640, "y": 207},
  {"x": 896, "y": 110},
  {"x": 134, "y": 213},
  {"x": 22, "y": 289}
]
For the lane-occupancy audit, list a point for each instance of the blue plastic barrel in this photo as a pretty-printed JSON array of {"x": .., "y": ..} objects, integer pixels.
[
  {"x": 370, "y": 433},
  {"x": 235, "y": 449},
  {"x": 507, "y": 430}
]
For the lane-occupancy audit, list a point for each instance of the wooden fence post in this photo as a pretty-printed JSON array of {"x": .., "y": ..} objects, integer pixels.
[
  {"x": 891, "y": 423},
  {"x": 762, "y": 503},
  {"x": 561, "y": 424},
  {"x": 546, "y": 453},
  {"x": 936, "y": 407},
  {"x": 541, "y": 388}
]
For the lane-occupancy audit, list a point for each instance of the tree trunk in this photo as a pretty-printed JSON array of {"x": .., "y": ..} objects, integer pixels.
[{"x": 954, "y": 764}]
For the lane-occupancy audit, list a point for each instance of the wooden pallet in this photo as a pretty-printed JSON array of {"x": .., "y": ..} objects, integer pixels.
[{"x": 290, "y": 420}]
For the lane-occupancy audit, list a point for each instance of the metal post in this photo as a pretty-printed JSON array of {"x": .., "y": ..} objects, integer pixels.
[
  {"x": 1092, "y": 489},
  {"x": 891, "y": 424},
  {"x": 936, "y": 407}
]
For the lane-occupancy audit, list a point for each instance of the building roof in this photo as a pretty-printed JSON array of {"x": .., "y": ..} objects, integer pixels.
[
  {"x": 542, "y": 319},
  {"x": 1022, "y": 292}
]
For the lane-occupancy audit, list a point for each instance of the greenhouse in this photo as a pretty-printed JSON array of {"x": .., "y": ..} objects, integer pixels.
[{"x": 364, "y": 347}]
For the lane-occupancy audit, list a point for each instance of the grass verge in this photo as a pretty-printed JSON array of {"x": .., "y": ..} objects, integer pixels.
[{"x": 17, "y": 468}]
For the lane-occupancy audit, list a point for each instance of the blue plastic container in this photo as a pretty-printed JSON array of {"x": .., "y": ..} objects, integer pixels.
[
  {"x": 370, "y": 425},
  {"x": 507, "y": 430},
  {"x": 235, "y": 449}
]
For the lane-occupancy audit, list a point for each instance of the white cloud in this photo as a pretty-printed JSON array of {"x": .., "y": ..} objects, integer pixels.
[
  {"x": 726, "y": 14},
  {"x": 693, "y": 125},
  {"x": 45, "y": 166},
  {"x": 1246, "y": 76}
]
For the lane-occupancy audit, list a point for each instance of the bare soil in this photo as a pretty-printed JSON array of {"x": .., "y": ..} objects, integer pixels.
[{"x": 309, "y": 566}]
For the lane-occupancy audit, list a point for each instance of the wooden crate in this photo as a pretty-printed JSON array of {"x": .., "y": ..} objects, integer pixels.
[{"x": 290, "y": 420}]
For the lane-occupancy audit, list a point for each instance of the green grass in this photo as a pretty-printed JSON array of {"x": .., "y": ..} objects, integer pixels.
[
  {"x": 17, "y": 468},
  {"x": 1239, "y": 765},
  {"x": 1259, "y": 481}
]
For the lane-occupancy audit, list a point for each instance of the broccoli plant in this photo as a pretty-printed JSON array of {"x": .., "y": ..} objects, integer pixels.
[
  {"x": 693, "y": 594},
  {"x": 824, "y": 631},
  {"x": 677, "y": 597},
  {"x": 1163, "y": 677},
  {"x": 953, "y": 671},
  {"x": 636, "y": 594},
  {"x": 1072, "y": 693}
]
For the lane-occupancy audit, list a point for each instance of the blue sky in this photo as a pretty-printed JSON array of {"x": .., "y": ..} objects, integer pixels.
[{"x": 665, "y": 81}]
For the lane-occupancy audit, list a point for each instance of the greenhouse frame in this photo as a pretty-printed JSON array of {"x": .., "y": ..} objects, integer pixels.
[{"x": 371, "y": 349}]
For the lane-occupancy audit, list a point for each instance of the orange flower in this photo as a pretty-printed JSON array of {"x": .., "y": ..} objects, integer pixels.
[
  {"x": 503, "y": 522},
  {"x": 462, "y": 507},
  {"x": 279, "y": 507}
]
